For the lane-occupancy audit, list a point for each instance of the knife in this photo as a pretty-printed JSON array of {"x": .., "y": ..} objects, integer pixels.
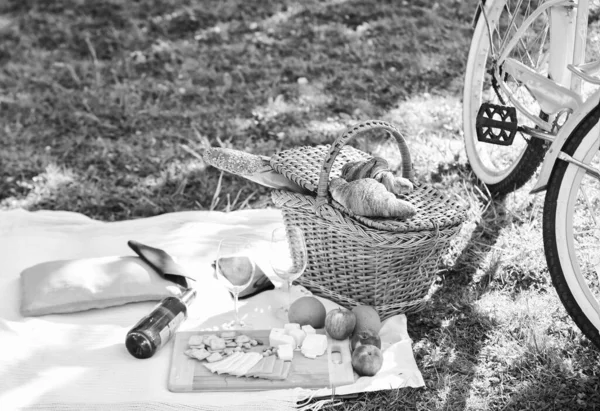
[{"x": 161, "y": 262}]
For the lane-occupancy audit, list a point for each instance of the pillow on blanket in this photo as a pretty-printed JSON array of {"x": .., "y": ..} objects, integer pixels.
[{"x": 76, "y": 285}]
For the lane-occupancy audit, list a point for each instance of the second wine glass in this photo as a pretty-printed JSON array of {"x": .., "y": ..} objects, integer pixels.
[
  {"x": 235, "y": 269},
  {"x": 288, "y": 257}
]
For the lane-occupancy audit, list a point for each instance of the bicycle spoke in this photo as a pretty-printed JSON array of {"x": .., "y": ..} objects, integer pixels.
[{"x": 510, "y": 24}]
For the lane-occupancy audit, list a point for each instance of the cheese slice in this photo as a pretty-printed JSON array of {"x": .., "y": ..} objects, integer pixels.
[
  {"x": 277, "y": 369},
  {"x": 308, "y": 329},
  {"x": 265, "y": 367},
  {"x": 280, "y": 371},
  {"x": 221, "y": 365},
  {"x": 234, "y": 364},
  {"x": 258, "y": 367},
  {"x": 287, "y": 366},
  {"x": 250, "y": 360},
  {"x": 239, "y": 365}
]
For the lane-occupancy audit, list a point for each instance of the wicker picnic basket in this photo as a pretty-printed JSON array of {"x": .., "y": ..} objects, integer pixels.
[{"x": 385, "y": 263}]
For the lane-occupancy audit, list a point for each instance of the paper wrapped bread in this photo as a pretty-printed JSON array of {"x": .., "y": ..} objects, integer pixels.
[{"x": 250, "y": 166}]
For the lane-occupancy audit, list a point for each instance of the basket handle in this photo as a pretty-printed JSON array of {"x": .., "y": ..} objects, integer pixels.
[{"x": 336, "y": 147}]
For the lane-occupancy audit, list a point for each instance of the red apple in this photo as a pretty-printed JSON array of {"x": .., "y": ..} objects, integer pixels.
[
  {"x": 367, "y": 360},
  {"x": 365, "y": 337},
  {"x": 340, "y": 323}
]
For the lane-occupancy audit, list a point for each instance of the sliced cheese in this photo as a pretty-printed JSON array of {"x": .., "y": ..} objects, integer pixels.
[
  {"x": 264, "y": 367},
  {"x": 235, "y": 363},
  {"x": 250, "y": 360},
  {"x": 287, "y": 366},
  {"x": 217, "y": 367},
  {"x": 277, "y": 370},
  {"x": 258, "y": 368}
]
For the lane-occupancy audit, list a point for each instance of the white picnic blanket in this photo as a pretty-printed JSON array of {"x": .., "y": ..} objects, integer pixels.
[{"x": 79, "y": 362}]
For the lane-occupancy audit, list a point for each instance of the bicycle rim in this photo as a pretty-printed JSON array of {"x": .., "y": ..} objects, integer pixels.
[
  {"x": 504, "y": 168},
  {"x": 572, "y": 229}
]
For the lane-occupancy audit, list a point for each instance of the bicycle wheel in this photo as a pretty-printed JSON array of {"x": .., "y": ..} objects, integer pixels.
[
  {"x": 504, "y": 168},
  {"x": 571, "y": 227}
]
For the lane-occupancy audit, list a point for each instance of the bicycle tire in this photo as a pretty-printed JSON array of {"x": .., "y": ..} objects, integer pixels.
[
  {"x": 566, "y": 280},
  {"x": 526, "y": 160}
]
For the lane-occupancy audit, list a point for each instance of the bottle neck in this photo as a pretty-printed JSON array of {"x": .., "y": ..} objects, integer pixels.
[{"x": 188, "y": 297}]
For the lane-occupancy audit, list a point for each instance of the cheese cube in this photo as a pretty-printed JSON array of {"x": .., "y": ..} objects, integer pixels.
[
  {"x": 298, "y": 336},
  {"x": 278, "y": 337},
  {"x": 314, "y": 345},
  {"x": 275, "y": 333},
  {"x": 291, "y": 326},
  {"x": 308, "y": 329},
  {"x": 285, "y": 352}
]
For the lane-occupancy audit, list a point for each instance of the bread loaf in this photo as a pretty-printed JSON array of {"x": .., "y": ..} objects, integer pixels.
[
  {"x": 368, "y": 197},
  {"x": 235, "y": 161},
  {"x": 250, "y": 166},
  {"x": 378, "y": 169}
]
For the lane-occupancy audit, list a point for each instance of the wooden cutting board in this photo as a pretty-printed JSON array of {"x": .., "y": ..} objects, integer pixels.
[{"x": 333, "y": 369}]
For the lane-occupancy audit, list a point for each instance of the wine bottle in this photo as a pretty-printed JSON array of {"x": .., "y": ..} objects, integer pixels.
[{"x": 154, "y": 330}]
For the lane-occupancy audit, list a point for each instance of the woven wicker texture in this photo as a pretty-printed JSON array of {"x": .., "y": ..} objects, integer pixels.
[
  {"x": 304, "y": 165},
  {"x": 353, "y": 260}
]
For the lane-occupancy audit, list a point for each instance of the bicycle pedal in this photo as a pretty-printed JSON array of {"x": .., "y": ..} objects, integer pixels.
[{"x": 496, "y": 124}]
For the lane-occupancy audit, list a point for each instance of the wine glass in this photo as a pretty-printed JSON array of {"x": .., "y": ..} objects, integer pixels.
[
  {"x": 235, "y": 268},
  {"x": 288, "y": 258}
]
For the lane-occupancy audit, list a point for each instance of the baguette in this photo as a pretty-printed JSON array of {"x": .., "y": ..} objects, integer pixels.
[{"x": 250, "y": 166}]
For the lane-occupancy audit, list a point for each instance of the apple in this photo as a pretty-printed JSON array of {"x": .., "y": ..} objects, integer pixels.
[
  {"x": 367, "y": 360},
  {"x": 365, "y": 337},
  {"x": 340, "y": 323}
]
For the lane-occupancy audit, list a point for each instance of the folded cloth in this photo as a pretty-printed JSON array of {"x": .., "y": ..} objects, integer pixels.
[{"x": 66, "y": 286}]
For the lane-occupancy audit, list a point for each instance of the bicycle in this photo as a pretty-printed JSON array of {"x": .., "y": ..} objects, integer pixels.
[{"x": 526, "y": 102}]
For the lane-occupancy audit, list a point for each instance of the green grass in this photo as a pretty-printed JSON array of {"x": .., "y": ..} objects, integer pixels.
[{"x": 104, "y": 102}]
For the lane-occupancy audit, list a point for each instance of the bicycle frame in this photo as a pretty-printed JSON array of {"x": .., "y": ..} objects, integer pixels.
[
  {"x": 568, "y": 32},
  {"x": 555, "y": 152},
  {"x": 578, "y": 50},
  {"x": 559, "y": 91}
]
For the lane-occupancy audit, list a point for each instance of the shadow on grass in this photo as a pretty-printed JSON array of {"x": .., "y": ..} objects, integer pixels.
[
  {"x": 450, "y": 333},
  {"x": 558, "y": 392}
]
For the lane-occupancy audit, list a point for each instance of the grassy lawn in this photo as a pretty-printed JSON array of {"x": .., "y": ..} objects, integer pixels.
[{"x": 104, "y": 104}]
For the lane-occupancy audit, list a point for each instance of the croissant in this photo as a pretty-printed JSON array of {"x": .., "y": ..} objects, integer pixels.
[
  {"x": 368, "y": 197},
  {"x": 378, "y": 169}
]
